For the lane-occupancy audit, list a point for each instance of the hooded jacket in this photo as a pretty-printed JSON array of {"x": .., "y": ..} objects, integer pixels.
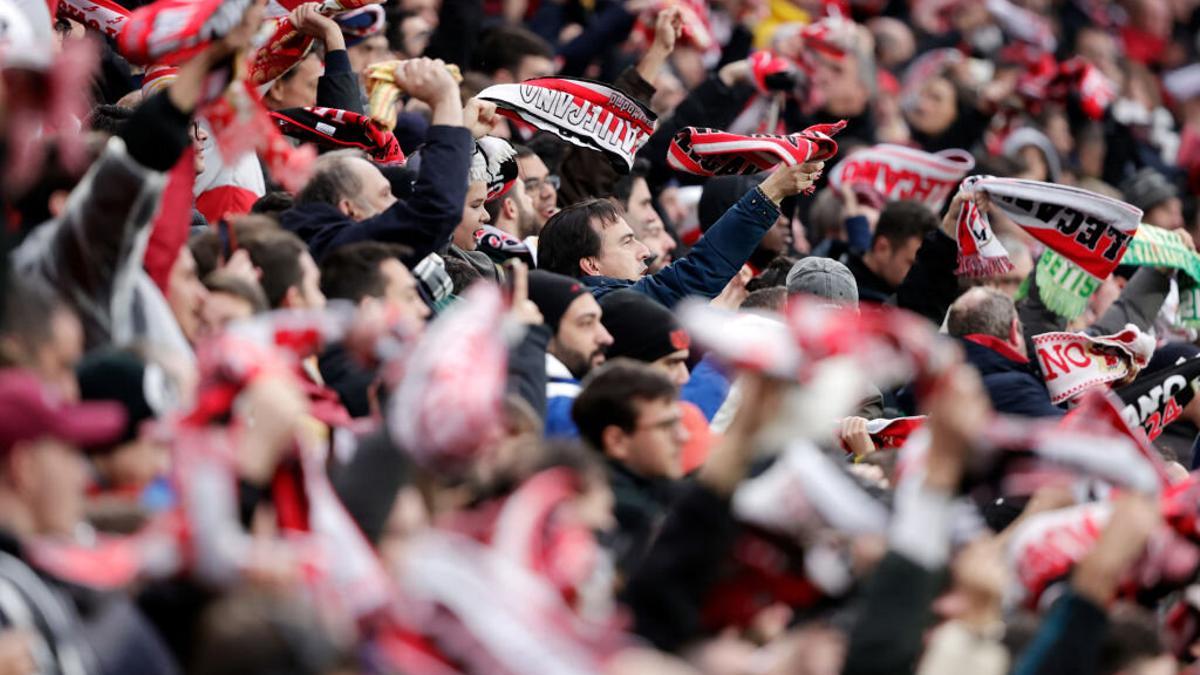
[
  {"x": 712, "y": 262},
  {"x": 424, "y": 222}
]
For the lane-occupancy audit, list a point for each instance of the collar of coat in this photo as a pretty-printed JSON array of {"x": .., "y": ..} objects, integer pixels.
[{"x": 997, "y": 345}]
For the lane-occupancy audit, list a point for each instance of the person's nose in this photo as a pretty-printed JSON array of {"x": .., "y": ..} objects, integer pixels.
[
  {"x": 604, "y": 338},
  {"x": 643, "y": 251}
]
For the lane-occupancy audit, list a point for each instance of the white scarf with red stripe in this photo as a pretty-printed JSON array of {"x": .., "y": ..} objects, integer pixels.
[
  {"x": 901, "y": 173},
  {"x": 584, "y": 113},
  {"x": 1088, "y": 229},
  {"x": 1073, "y": 363},
  {"x": 712, "y": 152}
]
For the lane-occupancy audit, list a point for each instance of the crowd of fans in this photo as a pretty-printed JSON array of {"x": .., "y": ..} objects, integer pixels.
[{"x": 327, "y": 346}]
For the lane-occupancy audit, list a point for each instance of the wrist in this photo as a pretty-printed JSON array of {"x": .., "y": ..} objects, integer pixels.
[{"x": 772, "y": 192}]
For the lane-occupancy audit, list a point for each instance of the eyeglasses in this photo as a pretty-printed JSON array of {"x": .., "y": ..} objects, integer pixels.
[
  {"x": 535, "y": 184},
  {"x": 668, "y": 424}
]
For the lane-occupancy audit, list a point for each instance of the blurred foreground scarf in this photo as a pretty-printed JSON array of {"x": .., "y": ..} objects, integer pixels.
[
  {"x": 333, "y": 129},
  {"x": 103, "y": 16},
  {"x": 584, "y": 113},
  {"x": 1065, "y": 288},
  {"x": 711, "y": 152},
  {"x": 1088, "y": 229},
  {"x": 901, "y": 173},
  {"x": 1072, "y": 363},
  {"x": 172, "y": 31},
  {"x": 241, "y": 124}
]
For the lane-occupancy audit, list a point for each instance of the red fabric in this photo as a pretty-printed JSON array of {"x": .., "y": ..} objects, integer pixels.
[
  {"x": 997, "y": 345},
  {"x": 172, "y": 31},
  {"x": 1141, "y": 46},
  {"x": 700, "y": 437},
  {"x": 169, "y": 230},
  {"x": 227, "y": 200}
]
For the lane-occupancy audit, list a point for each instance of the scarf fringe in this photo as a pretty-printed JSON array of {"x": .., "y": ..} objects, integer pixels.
[{"x": 976, "y": 266}]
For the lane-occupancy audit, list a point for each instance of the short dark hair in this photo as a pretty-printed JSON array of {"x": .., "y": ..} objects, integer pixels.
[
  {"x": 623, "y": 188},
  {"x": 273, "y": 203},
  {"x": 277, "y": 254},
  {"x": 1133, "y": 635},
  {"x": 569, "y": 237},
  {"x": 505, "y": 46},
  {"x": 773, "y": 276},
  {"x": 904, "y": 220},
  {"x": 772, "y": 298},
  {"x": 352, "y": 272},
  {"x": 611, "y": 395},
  {"x": 981, "y": 310},
  {"x": 206, "y": 249},
  {"x": 332, "y": 181},
  {"x": 29, "y": 310},
  {"x": 108, "y": 118},
  {"x": 221, "y": 281}
]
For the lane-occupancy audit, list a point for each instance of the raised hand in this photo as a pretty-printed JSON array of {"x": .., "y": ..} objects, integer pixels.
[
  {"x": 479, "y": 117},
  {"x": 791, "y": 180}
]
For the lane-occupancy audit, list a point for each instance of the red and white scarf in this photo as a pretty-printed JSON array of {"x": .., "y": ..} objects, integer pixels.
[
  {"x": 1088, "y": 229},
  {"x": 241, "y": 124},
  {"x": 892, "y": 434},
  {"x": 103, "y": 16},
  {"x": 332, "y": 129},
  {"x": 1073, "y": 363},
  {"x": 172, "y": 31},
  {"x": 584, "y": 113},
  {"x": 711, "y": 152},
  {"x": 901, "y": 173},
  {"x": 287, "y": 45}
]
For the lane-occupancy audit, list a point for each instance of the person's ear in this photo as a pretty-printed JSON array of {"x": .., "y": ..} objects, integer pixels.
[
  {"x": 881, "y": 247},
  {"x": 590, "y": 266},
  {"x": 292, "y": 298},
  {"x": 615, "y": 442},
  {"x": 347, "y": 208},
  {"x": 57, "y": 203},
  {"x": 508, "y": 209},
  {"x": 1014, "y": 331}
]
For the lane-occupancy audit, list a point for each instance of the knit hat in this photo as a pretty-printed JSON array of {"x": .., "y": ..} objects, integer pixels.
[
  {"x": 553, "y": 294},
  {"x": 360, "y": 24},
  {"x": 824, "y": 278},
  {"x": 494, "y": 163},
  {"x": 1028, "y": 136},
  {"x": 641, "y": 328},
  {"x": 142, "y": 389},
  {"x": 1147, "y": 189}
]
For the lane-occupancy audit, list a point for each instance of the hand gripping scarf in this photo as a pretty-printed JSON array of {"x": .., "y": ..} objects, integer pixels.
[
  {"x": 287, "y": 45},
  {"x": 332, "y": 129},
  {"x": 1155, "y": 401},
  {"x": 172, "y": 31},
  {"x": 1072, "y": 363},
  {"x": 584, "y": 113},
  {"x": 1065, "y": 288},
  {"x": 901, "y": 173},
  {"x": 383, "y": 92},
  {"x": 711, "y": 152},
  {"x": 697, "y": 25},
  {"x": 892, "y": 434},
  {"x": 1088, "y": 229}
]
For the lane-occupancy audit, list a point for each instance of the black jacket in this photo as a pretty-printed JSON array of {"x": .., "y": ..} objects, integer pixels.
[
  {"x": 424, "y": 222},
  {"x": 1015, "y": 387},
  {"x": 931, "y": 286},
  {"x": 641, "y": 505},
  {"x": 338, "y": 87},
  {"x": 871, "y": 287}
]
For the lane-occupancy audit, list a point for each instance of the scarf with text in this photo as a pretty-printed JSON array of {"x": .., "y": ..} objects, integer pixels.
[
  {"x": 1065, "y": 288},
  {"x": 582, "y": 112},
  {"x": 711, "y": 152},
  {"x": 1155, "y": 401},
  {"x": 332, "y": 129},
  {"x": 1072, "y": 363},
  {"x": 901, "y": 173},
  {"x": 102, "y": 16},
  {"x": 1089, "y": 229}
]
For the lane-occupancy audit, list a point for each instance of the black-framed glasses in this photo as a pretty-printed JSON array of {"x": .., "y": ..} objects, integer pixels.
[{"x": 535, "y": 184}]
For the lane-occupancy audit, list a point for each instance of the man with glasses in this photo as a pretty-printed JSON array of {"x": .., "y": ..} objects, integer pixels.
[
  {"x": 629, "y": 412},
  {"x": 540, "y": 184}
]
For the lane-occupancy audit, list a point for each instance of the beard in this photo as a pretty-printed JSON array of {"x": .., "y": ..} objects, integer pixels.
[{"x": 578, "y": 363}]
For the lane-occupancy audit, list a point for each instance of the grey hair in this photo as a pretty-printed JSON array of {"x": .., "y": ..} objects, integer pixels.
[
  {"x": 981, "y": 310},
  {"x": 332, "y": 180}
]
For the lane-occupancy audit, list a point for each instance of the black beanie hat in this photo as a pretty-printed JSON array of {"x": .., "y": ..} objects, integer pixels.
[
  {"x": 114, "y": 375},
  {"x": 553, "y": 294},
  {"x": 641, "y": 328}
]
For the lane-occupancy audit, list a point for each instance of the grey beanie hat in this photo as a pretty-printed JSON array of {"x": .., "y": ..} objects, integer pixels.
[
  {"x": 825, "y": 278},
  {"x": 1028, "y": 136},
  {"x": 1147, "y": 189}
]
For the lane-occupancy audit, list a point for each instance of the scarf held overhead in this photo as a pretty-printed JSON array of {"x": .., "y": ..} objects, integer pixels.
[
  {"x": 1088, "y": 229},
  {"x": 901, "y": 173},
  {"x": 711, "y": 152},
  {"x": 584, "y": 113},
  {"x": 1072, "y": 363}
]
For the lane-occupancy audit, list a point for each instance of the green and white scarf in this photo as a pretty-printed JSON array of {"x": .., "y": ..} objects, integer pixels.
[{"x": 1065, "y": 287}]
